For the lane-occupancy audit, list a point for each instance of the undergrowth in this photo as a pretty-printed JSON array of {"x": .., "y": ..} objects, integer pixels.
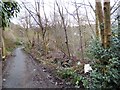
[{"x": 105, "y": 64}]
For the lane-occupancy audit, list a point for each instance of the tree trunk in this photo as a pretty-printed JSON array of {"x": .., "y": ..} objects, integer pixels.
[
  {"x": 65, "y": 29},
  {"x": 96, "y": 26},
  {"x": 3, "y": 43},
  {"x": 100, "y": 19},
  {"x": 107, "y": 26},
  {"x": 80, "y": 32},
  {"x": 119, "y": 27},
  {"x": 118, "y": 14},
  {"x": 3, "y": 49}
]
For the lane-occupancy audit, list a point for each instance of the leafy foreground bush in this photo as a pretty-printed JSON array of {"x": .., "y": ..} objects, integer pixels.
[
  {"x": 71, "y": 76},
  {"x": 106, "y": 66}
]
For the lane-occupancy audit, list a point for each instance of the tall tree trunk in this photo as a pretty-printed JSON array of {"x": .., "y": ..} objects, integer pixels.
[
  {"x": 119, "y": 27},
  {"x": 118, "y": 14},
  {"x": 43, "y": 29},
  {"x": 96, "y": 26},
  {"x": 100, "y": 19},
  {"x": 3, "y": 43},
  {"x": 107, "y": 26}
]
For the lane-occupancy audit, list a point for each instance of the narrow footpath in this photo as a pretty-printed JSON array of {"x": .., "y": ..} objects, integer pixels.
[{"x": 21, "y": 71}]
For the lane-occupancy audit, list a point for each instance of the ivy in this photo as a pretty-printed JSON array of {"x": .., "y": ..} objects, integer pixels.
[{"x": 105, "y": 64}]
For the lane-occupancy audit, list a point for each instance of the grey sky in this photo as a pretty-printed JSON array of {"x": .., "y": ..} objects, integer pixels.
[{"x": 67, "y": 3}]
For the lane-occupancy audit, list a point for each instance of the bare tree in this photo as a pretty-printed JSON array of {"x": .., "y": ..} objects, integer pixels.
[
  {"x": 65, "y": 29},
  {"x": 38, "y": 20},
  {"x": 92, "y": 30},
  {"x": 25, "y": 21},
  {"x": 80, "y": 32}
]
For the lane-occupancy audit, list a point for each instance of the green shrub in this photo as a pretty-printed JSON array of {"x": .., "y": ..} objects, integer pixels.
[
  {"x": 106, "y": 66},
  {"x": 18, "y": 43},
  {"x": 70, "y": 75},
  {"x": 65, "y": 73},
  {"x": 77, "y": 79}
]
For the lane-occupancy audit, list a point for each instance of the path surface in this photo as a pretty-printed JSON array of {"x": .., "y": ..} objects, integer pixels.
[
  {"x": 23, "y": 72},
  {"x": 0, "y": 75}
]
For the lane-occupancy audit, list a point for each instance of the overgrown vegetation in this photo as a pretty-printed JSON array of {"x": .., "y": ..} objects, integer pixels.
[
  {"x": 105, "y": 64},
  {"x": 102, "y": 52},
  {"x": 57, "y": 34},
  {"x": 71, "y": 76}
]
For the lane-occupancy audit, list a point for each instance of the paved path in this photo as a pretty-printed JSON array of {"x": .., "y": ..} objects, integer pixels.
[
  {"x": 0, "y": 75},
  {"x": 23, "y": 72}
]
